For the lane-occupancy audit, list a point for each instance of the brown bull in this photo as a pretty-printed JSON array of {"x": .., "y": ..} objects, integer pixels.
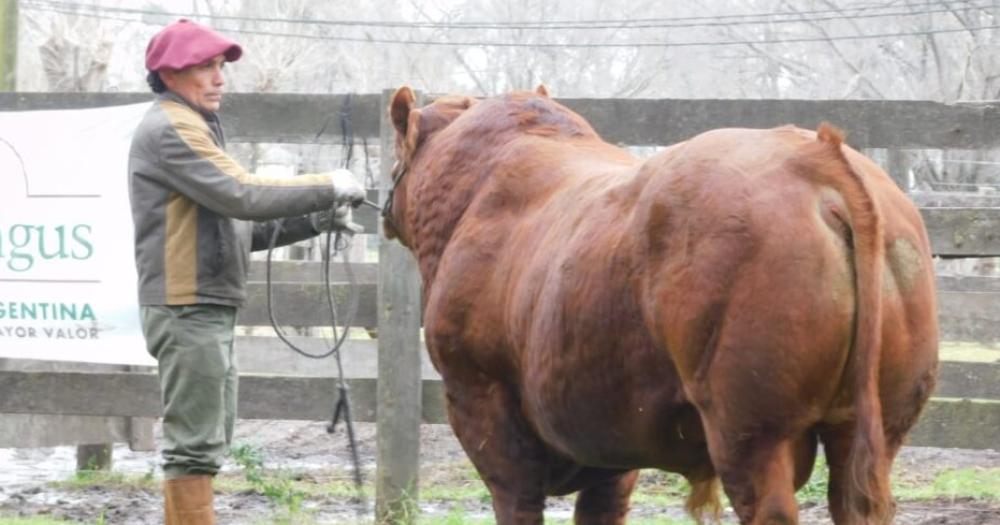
[{"x": 716, "y": 310}]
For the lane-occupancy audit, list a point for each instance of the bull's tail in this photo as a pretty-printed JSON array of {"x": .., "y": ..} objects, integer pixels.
[
  {"x": 703, "y": 501},
  {"x": 868, "y": 496}
]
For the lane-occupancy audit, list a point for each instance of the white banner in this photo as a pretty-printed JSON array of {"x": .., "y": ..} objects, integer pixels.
[{"x": 67, "y": 269}]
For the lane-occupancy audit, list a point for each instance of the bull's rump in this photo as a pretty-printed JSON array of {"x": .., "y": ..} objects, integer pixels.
[
  {"x": 750, "y": 275},
  {"x": 763, "y": 255}
]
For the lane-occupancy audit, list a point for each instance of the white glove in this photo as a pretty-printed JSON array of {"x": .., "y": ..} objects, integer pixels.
[
  {"x": 338, "y": 220},
  {"x": 346, "y": 188}
]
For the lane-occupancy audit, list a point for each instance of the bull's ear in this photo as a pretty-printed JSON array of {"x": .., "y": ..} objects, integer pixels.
[
  {"x": 400, "y": 108},
  {"x": 411, "y": 136},
  {"x": 542, "y": 90}
]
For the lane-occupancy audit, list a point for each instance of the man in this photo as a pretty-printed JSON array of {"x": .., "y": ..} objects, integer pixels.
[{"x": 190, "y": 201}]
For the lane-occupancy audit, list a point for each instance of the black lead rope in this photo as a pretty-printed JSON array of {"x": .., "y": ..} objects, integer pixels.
[
  {"x": 339, "y": 243},
  {"x": 346, "y": 133},
  {"x": 352, "y": 302},
  {"x": 342, "y": 407}
]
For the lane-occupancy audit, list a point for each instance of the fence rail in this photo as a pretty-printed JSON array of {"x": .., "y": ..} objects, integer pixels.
[
  {"x": 946, "y": 422},
  {"x": 968, "y": 308},
  {"x": 298, "y": 118}
]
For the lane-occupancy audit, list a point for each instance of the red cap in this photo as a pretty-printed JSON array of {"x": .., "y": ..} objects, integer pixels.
[{"x": 185, "y": 43}]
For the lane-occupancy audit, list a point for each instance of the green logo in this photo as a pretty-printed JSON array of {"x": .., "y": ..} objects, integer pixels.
[{"x": 23, "y": 245}]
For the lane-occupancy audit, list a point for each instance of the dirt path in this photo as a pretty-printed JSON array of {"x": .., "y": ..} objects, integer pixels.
[{"x": 308, "y": 451}]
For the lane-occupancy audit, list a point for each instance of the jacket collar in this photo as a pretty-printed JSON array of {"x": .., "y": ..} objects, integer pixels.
[{"x": 210, "y": 116}]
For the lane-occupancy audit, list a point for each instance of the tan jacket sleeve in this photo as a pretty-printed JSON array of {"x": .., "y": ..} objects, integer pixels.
[{"x": 197, "y": 167}]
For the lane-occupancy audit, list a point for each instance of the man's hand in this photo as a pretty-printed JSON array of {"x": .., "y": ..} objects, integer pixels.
[
  {"x": 336, "y": 220},
  {"x": 346, "y": 188}
]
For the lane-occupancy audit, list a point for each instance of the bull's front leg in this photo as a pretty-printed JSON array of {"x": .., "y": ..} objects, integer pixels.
[{"x": 487, "y": 419}]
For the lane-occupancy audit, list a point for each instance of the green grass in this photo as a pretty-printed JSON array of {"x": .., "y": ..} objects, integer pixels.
[
  {"x": 966, "y": 483},
  {"x": 455, "y": 517},
  {"x": 969, "y": 352},
  {"x": 814, "y": 491},
  {"x": 104, "y": 478},
  {"x": 280, "y": 489},
  {"x": 644, "y": 520},
  {"x": 454, "y": 482},
  {"x": 457, "y": 487},
  {"x": 32, "y": 521},
  {"x": 660, "y": 488},
  {"x": 462, "y": 517}
]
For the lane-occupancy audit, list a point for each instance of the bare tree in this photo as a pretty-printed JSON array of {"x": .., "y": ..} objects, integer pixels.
[
  {"x": 713, "y": 49},
  {"x": 75, "y": 51}
]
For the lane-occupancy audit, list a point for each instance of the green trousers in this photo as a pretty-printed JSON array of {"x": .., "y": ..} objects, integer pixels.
[{"x": 193, "y": 346}]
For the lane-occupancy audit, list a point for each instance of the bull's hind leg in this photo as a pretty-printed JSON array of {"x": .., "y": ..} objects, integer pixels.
[
  {"x": 837, "y": 448},
  {"x": 760, "y": 474},
  {"x": 605, "y": 502},
  {"x": 508, "y": 455}
]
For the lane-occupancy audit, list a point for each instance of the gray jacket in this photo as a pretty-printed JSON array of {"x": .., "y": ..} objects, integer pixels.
[{"x": 191, "y": 203}]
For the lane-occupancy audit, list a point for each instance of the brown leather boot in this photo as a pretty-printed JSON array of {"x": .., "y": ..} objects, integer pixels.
[
  {"x": 169, "y": 515},
  {"x": 188, "y": 501}
]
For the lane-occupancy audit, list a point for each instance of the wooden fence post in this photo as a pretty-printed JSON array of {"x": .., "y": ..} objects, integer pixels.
[
  {"x": 398, "y": 411},
  {"x": 8, "y": 45},
  {"x": 898, "y": 165},
  {"x": 140, "y": 429},
  {"x": 94, "y": 457}
]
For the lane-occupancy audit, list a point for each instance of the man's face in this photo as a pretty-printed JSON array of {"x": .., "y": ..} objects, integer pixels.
[{"x": 201, "y": 84}]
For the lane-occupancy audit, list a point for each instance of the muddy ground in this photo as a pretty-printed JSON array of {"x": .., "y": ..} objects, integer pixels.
[{"x": 306, "y": 451}]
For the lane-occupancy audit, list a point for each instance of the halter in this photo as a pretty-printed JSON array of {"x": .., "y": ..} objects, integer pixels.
[{"x": 399, "y": 170}]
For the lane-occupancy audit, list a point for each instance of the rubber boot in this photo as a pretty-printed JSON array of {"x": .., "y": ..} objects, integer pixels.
[{"x": 188, "y": 501}]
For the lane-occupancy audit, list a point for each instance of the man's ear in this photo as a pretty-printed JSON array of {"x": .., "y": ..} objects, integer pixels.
[
  {"x": 400, "y": 108},
  {"x": 168, "y": 77}
]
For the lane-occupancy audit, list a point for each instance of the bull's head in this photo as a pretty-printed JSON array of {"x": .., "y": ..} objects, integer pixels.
[
  {"x": 415, "y": 132},
  {"x": 414, "y": 128}
]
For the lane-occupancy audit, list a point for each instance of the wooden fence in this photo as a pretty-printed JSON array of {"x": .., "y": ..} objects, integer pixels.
[{"x": 390, "y": 379}]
